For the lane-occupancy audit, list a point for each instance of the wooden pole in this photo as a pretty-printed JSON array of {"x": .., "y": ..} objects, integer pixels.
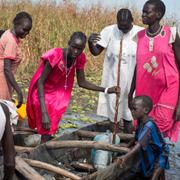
[
  {"x": 91, "y": 176},
  {"x": 158, "y": 174},
  {"x": 26, "y": 129},
  {"x": 83, "y": 167},
  {"x": 92, "y": 134},
  {"x": 117, "y": 95},
  {"x": 22, "y": 133},
  {"x": 49, "y": 167},
  {"x": 22, "y": 149},
  {"x": 26, "y": 170},
  {"x": 85, "y": 144}
]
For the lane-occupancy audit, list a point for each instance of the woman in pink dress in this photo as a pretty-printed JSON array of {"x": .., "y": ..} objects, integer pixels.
[
  {"x": 10, "y": 55},
  {"x": 157, "y": 70},
  {"x": 51, "y": 86}
]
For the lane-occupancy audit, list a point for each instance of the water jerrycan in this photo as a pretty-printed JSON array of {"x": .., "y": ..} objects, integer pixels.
[{"x": 100, "y": 158}]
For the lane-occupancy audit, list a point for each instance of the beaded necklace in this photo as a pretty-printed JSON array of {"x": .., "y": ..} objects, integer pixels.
[
  {"x": 152, "y": 36},
  {"x": 68, "y": 70},
  {"x": 155, "y": 33}
]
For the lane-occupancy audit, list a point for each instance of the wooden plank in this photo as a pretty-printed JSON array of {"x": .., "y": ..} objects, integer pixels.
[
  {"x": 158, "y": 174},
  {"x": 22, "y": 149},
  {"x": 22, "y": 133},
  {"x": 49, "y": 167},
  {"x": 83, "y": 166},
  {"x": 26, "y": 170},
  {"x": 85, "y": 144},
  {"x": 91, "y": 134},
  {"x": 25, "y": 129}
]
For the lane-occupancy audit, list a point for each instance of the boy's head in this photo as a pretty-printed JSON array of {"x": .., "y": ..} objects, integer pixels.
[{"x": 141, "y": 106}]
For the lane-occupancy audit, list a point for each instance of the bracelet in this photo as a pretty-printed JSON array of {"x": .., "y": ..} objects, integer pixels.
[{"x": 106, "y": 91}]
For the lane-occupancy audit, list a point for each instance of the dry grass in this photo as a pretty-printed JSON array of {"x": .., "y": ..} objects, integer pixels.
[{"x": 52, "y": 26}]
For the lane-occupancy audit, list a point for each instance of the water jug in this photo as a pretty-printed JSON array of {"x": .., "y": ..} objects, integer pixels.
[{"x": 101, "y": 159}]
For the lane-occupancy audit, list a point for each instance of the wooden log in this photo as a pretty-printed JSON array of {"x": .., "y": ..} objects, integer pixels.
[
  {"x": 103, "y": 123},
  {"x": 49, "y": 167},
  {"x": 83, "y": 166},
  {"x": 25, "y": 129},
  {"x": 26, "y": 170},
  {"x": 91, "y": 176},
  {"x": 22, "y": 149},
  {"x": 158, "y": 174},
  {"x": 107, "y": 123},
  {"x": 91, "y": 134},
  {"x": 85, "y": 144},
  {"x": 87, "y": 134},
  {"x": 23, "y": 133}
]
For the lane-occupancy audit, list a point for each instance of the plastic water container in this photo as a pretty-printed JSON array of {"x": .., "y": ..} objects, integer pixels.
[
  {"x": 101, "y": 159},
  {"x": 21, "y": 111},
  {"x": 32, "y": 140}
]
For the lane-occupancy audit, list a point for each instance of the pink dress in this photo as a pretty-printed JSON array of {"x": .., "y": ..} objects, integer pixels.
[
  {"x": 158, "y": 77},
  {"x": 56, "y": 95},
  {"x": 9, "y": 49}
]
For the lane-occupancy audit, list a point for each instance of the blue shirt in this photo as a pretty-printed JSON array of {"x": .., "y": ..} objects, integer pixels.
[{"x": 153, "y": 148}]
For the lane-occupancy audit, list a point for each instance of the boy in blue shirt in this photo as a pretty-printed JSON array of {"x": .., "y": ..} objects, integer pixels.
[{"x": 150, "y": 149}]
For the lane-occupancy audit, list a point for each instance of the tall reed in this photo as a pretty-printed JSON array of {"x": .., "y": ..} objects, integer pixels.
[{"x": 52, "y": 27}]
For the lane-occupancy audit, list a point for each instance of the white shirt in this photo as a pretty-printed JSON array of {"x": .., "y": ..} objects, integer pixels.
[
  {"x": 13, "y": 115},
  {"x": 110, "y": 39}
]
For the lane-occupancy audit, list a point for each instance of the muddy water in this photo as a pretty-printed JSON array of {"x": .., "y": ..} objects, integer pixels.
[
  {"x": 174, "y": 172},
  {"x": 75, "y": 120}
]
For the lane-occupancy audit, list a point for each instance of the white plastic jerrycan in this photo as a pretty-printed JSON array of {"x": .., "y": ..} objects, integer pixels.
[{"x": 101, "y": 159}]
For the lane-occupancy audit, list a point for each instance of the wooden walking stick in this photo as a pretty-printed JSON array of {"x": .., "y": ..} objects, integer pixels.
[{"x": 117, "y": 95}]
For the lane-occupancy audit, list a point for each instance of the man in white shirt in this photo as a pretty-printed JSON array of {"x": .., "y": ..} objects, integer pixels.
[{"x": 109, "y": 39}]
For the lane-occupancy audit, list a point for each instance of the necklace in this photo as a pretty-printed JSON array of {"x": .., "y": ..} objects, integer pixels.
[
  {"x": 68, "y": 70},
  {"x": 155, "y": 33}
]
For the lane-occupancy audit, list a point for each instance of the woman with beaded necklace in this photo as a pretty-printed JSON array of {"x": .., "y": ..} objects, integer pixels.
[
  {"x": 51, "y": 86},
  {"x": 157, "y": 69}
]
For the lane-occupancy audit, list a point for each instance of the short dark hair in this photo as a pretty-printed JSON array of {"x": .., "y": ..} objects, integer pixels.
[
  {"x": 124, "y": 15},
  {"x": 21, "y": 16},
  {"x": 78, "y": 35},
  {"x": 159, "y": 5},
  {"x": 146, "y": 101}
]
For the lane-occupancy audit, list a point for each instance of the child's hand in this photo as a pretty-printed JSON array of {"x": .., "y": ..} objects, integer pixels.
[
  {"x": 45, "y": 121},
  {"x": 121, "y": 161},
  {"x": 114, "y": 89}
]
